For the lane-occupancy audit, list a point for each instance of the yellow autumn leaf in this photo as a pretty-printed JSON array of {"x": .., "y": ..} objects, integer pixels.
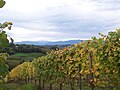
[
  {"x": 97, "y": 73},
  {"x": 95, "y": 80},
  {"x": 83, "y": 64}
]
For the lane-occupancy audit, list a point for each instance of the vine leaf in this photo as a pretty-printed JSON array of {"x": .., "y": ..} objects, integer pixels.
[
  {"x": 3, "y": 39},
  {"x": 2, "y": 3}
]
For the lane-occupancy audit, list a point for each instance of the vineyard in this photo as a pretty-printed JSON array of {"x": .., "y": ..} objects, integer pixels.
[
  {"x": 90, "y": 65},
  {"x": 93, "y": 63}
]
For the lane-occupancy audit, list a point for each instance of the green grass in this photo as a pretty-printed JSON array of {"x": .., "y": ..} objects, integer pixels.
[
  {"x": 12, "y": 63},
  {"x": 24, "y": 56},
  {"x": 12, "y": 86},
  {"x": 16, "y": 86}
]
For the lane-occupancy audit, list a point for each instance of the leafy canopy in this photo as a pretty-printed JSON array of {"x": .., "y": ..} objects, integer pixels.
[{"x": 4, "y": 41}]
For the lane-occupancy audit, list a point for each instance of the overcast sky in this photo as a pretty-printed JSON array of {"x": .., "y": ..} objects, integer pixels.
[{"x": 60, "y": 19}]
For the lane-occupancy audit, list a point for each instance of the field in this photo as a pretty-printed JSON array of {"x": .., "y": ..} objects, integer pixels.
[
  {"x": 17, "y": 58},
  {"x": 25, "y": 56}
]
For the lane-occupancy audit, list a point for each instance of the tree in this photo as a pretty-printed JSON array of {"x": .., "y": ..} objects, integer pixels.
[{"x": 4, "y": 42}]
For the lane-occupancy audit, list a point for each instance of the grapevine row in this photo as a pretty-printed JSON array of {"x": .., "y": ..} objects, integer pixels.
[{"x": 96, "y": 62}]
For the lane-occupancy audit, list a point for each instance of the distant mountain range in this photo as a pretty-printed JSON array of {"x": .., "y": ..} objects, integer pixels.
[{"x": 69, "y": 42}]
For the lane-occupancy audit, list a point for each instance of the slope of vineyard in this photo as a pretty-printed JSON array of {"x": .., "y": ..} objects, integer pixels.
[{"x": 95, "y": 62}]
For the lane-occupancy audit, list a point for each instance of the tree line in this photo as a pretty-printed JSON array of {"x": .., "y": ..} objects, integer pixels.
[{"x": 23, "y": 48}]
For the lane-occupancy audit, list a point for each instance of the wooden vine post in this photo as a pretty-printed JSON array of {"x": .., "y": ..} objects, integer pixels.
[
  {"x": 79, "y": 77},
  {"x": 91, "y": 73}
]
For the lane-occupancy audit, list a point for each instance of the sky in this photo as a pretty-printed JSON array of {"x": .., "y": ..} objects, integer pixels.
[{"x": 54, "y": 20}]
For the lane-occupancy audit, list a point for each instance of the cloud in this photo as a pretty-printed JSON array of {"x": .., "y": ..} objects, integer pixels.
[
  {"x": 107, "y": 4},
  {"x": 26, "y": 34},
  {"x": 60, "y": 19}
]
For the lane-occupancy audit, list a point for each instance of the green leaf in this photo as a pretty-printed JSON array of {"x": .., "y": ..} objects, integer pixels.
[
  {"x": 3, "y": 39},
  {"x": 4, "y": 25},
  {"x": 9, "y": 23},
  {"x": 2, "y": 3},
  {"x": 3, "y": 69}
]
